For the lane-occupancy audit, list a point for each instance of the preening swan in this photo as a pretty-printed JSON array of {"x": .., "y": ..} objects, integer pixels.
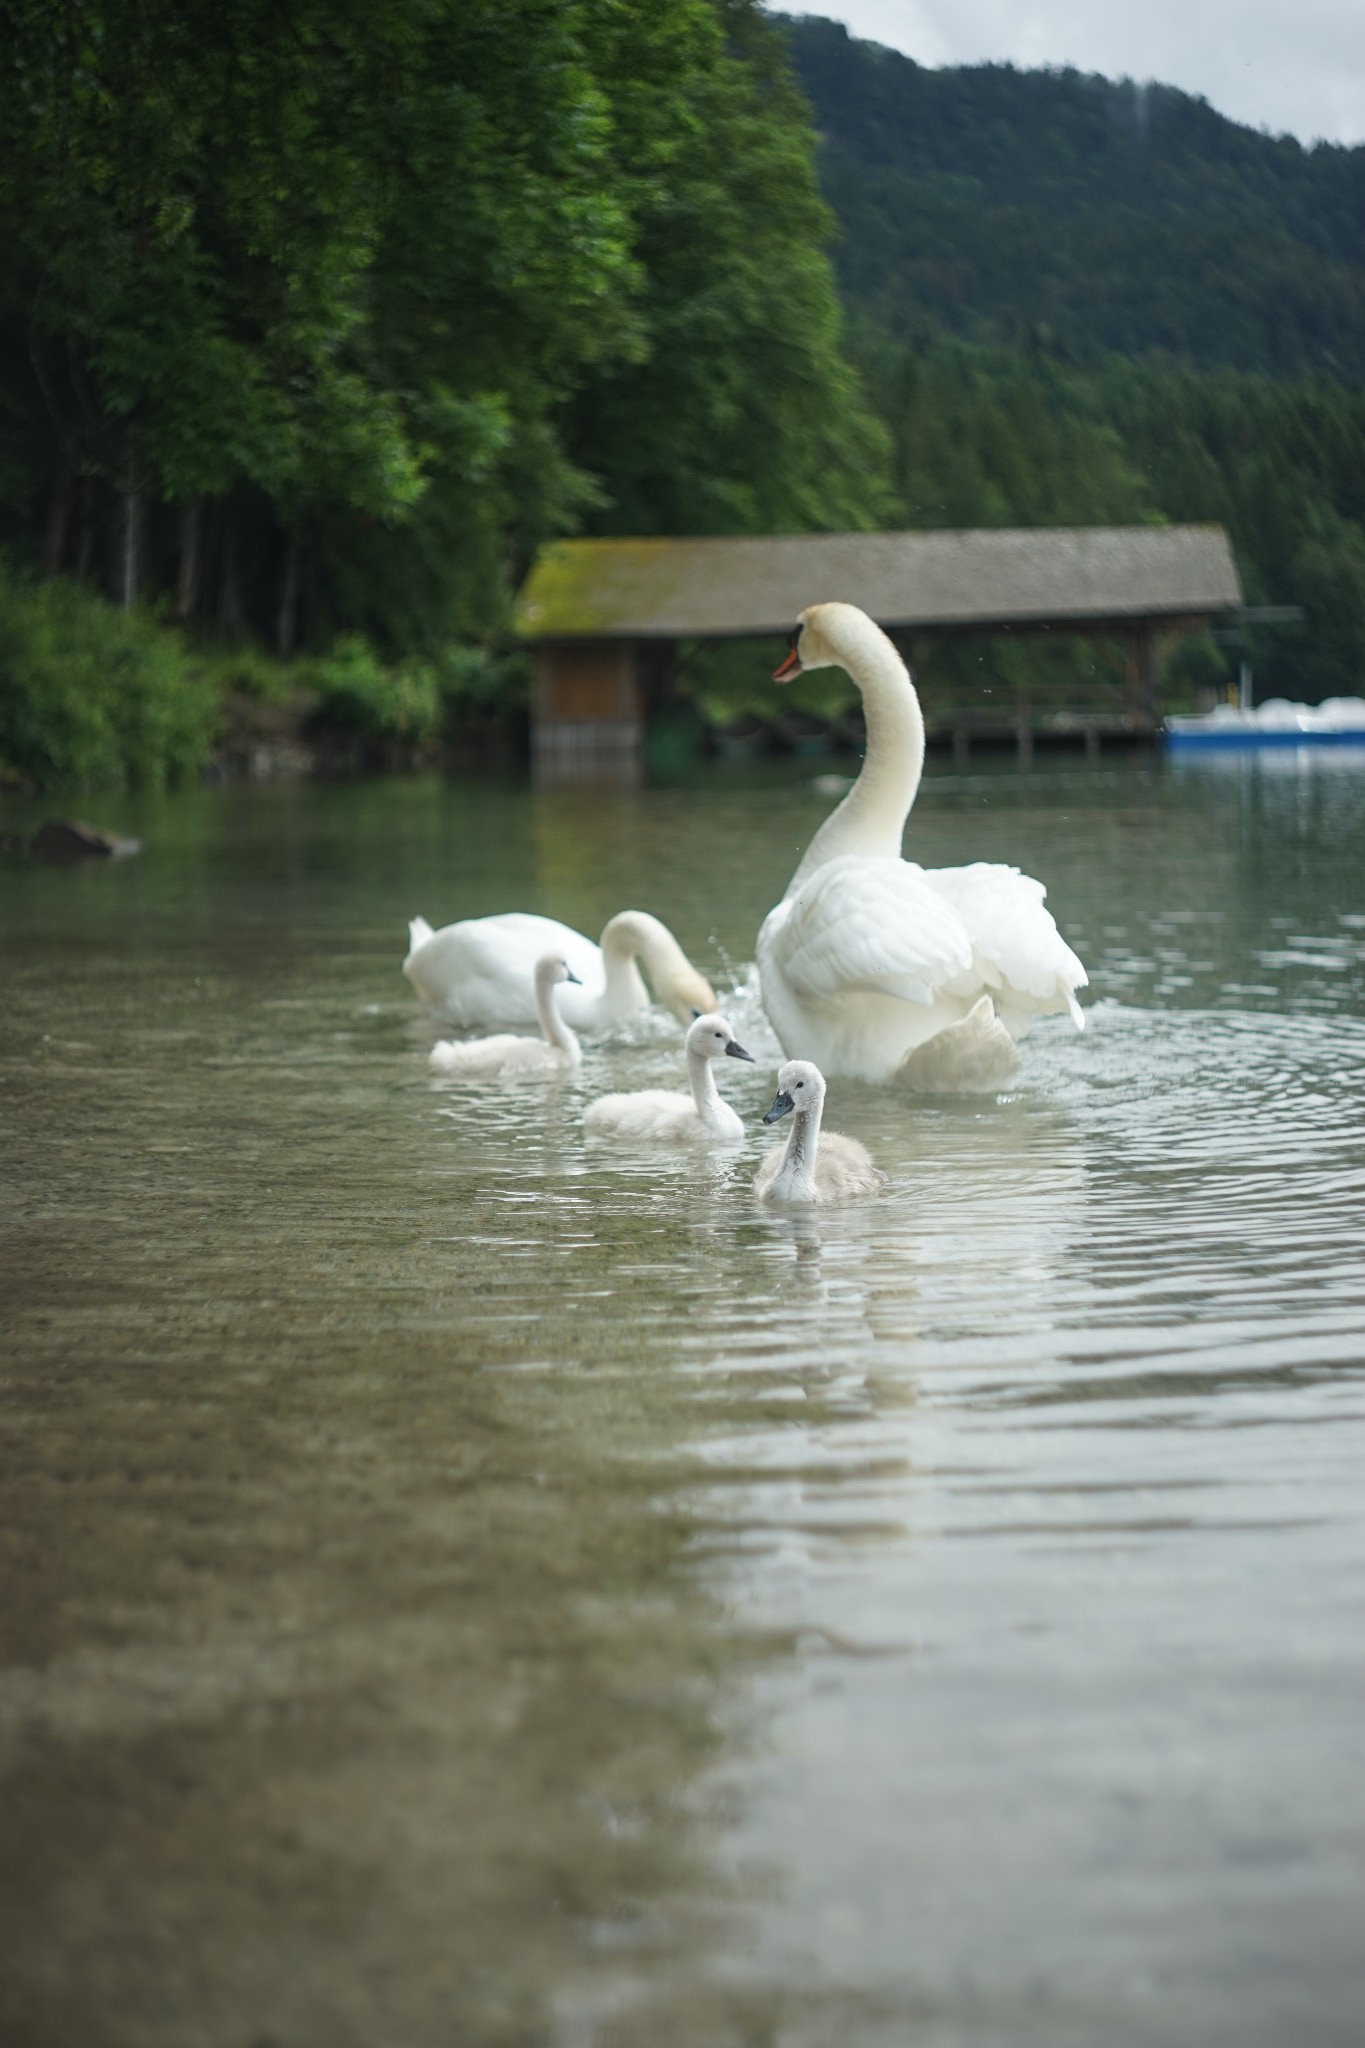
[
  {"x": 657, "y": 1113},
  {"x": 509, "y": 1058},
  {"x": 813, "y": 1166},
  {"x": 877, "y": 968},
  {"x": 480, "y": 970}
]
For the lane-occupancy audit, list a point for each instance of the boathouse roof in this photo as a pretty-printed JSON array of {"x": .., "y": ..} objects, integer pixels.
[{"x": 756, "y": 584}]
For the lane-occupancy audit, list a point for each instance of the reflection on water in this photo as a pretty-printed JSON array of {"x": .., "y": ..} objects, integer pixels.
[{"x": 462, "y": 1584}]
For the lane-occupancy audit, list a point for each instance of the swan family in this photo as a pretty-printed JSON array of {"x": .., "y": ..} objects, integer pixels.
[
  {"x": 812, "y": 1167},
  {"x": 870, "y": 968}
]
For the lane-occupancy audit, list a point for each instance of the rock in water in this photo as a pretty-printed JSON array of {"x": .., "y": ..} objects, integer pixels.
[{"x": 59, "y": 840}]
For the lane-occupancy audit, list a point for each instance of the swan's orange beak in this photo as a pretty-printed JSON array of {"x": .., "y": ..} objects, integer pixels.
[{"x": 790, "y": 666}]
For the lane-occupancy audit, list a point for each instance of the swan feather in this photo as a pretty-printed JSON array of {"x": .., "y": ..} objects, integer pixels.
[{"x": 869, "y": 924}]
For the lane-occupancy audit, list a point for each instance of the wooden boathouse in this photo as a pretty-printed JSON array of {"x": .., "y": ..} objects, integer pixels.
[{"x": 604, "y": 618}]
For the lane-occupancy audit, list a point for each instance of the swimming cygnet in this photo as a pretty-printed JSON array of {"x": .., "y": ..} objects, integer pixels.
[
  {"x": 656, "y": 1113},
  {"x": 506, "y": 1057},
  {"x": 815, "y": 1165}
]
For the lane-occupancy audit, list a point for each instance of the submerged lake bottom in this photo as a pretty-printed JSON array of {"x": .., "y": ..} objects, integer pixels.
[{"x": 461, "y": 1582}]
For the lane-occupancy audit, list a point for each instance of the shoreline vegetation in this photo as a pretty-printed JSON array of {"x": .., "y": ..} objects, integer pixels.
[{"x": 302, "y": 357}]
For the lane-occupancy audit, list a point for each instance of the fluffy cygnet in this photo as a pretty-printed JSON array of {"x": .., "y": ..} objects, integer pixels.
[
  {"x": 814, "y": 1165},
  {"x": 506, "y": 1057},
  {"x": 656, "y": 1113}
]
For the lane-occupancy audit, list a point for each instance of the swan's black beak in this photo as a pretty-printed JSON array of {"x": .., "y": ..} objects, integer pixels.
[
  {"x": 735, "y": 1051},
  {"x": 569, "y": 975},
  {"x": 782, "y": 1106},
  {"x": 790, "y": 665}
]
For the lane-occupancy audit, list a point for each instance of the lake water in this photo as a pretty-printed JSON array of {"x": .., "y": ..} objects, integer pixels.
[{"x": 462, "y": 1587}]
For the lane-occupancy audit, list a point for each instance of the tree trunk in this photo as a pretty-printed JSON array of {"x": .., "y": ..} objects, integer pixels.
[
  {"x": 191, "y": 554},
  {"x": 230, "y": 594},
  {"x": 130, "y": 536},
  {"x": 85, "y": 526},
  {"x": 130, "y": 548},
  {"x": 58, "y": 524},
  {"x": 286, "y": 627}
]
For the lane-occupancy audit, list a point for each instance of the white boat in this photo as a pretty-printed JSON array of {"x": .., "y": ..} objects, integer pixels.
[{"x": 1337, "y": 722}]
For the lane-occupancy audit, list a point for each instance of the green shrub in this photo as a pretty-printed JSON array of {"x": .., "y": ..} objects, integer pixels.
[
  {"x": 471, "y": 678},
  {"x": 92, "y": 697},
  {"x": 359, "y": 693},
  {"x": 240, "y": 669},
  {"x": 409, "y": 700}
]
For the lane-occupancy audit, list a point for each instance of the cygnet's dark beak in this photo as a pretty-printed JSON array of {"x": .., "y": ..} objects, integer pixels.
[
  {"x": 569, "y": 975},
  {"x": 697, "y": 1013},
  {"x": 735, "y": 1051},
  {"x": 782, "y": 1106}
]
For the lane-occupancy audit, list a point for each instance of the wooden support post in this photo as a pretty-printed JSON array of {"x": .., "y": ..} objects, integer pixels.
[{"x": 1142, "y": 678}]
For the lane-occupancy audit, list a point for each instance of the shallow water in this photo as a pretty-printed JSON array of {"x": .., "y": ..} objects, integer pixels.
[{"x": 460, "y": 1585}]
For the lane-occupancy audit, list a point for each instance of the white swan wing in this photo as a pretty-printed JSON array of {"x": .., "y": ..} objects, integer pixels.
[
  {"x": 1016, "y": 945},
  {"x": 867, "y": 923}
]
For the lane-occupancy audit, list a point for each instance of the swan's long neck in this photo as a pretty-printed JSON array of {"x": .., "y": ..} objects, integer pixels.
[
  {"x": 796, "y": 1174},
  {"x": 625, "y": 991},
  {"x": 701, "y": 1072},
  {"x": 871, "y": 818},
  {"x": 555, "y": 1031}
]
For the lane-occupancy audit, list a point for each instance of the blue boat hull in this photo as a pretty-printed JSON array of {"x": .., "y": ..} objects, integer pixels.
[{"x": 1257, "y": 742}]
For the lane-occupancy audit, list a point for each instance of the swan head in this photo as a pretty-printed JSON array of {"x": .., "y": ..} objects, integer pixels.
[
  {"x": 800, "y": 1087},
  {"x": 675, "y": 981},
  {"x": 685, "y": 992},
  {"x": 829, "y": 636},
  {"x": 713, "y": 1038},
  {"x": 551, "y": 970}
]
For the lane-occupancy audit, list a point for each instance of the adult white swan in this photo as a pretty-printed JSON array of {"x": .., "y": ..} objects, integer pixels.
[
  {"x": 881, "y": 970},
  {"x": 481, "y": 970}
]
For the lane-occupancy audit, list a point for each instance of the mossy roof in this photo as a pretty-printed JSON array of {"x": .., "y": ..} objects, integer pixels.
[{"x": 727, "y": 588}]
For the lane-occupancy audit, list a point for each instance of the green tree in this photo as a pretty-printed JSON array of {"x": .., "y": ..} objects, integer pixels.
[{"x": 739, "y": 411}]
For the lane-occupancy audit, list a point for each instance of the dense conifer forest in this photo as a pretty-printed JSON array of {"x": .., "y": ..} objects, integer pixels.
[{"x": 316, "y": 319}]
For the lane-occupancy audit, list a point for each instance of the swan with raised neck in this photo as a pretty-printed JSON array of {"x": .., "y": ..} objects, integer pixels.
[
  {"x": 871, "y": 819},
  {"x": 879, "y": 969}
]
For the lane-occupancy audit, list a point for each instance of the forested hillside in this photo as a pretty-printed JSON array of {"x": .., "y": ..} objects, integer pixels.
[{"x": 990, "y": 203}]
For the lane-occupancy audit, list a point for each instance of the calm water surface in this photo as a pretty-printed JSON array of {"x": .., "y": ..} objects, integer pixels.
[{"x": 462, "y": 1586}]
